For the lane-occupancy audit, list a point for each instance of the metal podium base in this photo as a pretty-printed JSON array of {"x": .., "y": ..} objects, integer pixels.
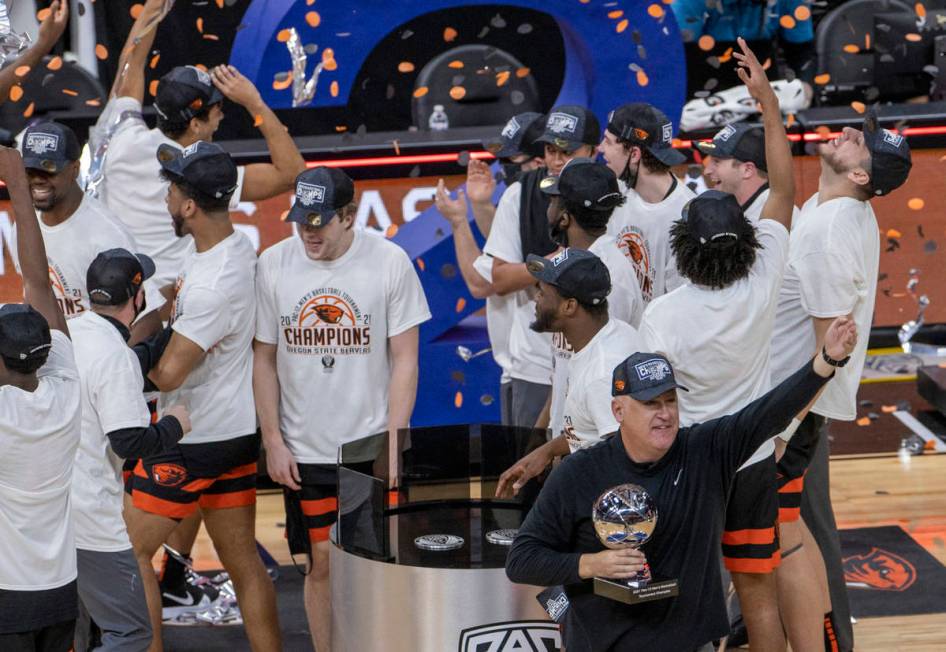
[{"x": 398, "y": 608}]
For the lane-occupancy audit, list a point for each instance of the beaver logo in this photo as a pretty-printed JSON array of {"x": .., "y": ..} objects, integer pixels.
[
  {"x": 168, "y": 475},
  {"x": 326, "y": 309},
  {"x": 634, "y": 247},
  {"x": 879, "y": 570}
]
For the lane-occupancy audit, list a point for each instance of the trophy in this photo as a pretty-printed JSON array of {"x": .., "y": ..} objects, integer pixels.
[
  {"x": 11, "y": 43},
  {"x": 625, "y": 517}
]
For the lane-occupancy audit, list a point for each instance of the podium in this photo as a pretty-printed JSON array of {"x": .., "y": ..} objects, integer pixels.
[{"x": 419, "y": 549}]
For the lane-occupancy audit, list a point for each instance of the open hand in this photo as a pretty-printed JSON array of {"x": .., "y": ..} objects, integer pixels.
[
  {"x": 281, "y": 465},
  {"x": 841, "y": 338},
  {"x": 480, "y": 183},
  {"x": 235, "y": 86},
  {"x": 52, "y": 27},
  {"x": 453, "y": 209},
  {"x": 753, "y": 76},
  {"x": 11, "y": 164},
  {"x": 516, "y": 476}
]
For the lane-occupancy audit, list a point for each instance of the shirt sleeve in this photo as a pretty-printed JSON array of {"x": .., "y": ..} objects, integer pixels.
[
  {"x": 267, "y": 315},
  {"x": 827, "y": 284},
  {"x": 238, "y": 193},
  {"x": 202, "y": 321},
  {"x": 484, "y": 267},
  {"x": 61, "y": 361},
  {"x": 772, "y": 256},
  {"x": 115, "y": 393},
  {"x": 599, "y": 407},
  {"x": 505, "y": 240},
  {"x": 406, "y": 301}
]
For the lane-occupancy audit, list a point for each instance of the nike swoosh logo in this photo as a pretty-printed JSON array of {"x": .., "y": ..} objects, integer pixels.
[{"x": 189, "y": 602}]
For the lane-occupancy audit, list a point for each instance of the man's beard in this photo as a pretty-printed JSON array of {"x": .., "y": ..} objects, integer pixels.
[
  {"x": 178, "y": 226},
  {"x": 543, "y": 322}
]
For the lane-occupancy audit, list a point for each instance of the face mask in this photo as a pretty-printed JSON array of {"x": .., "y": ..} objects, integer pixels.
[
  {"x": 628, "y": 176},
  {"x": 558, "y": 234},
  {"x": 144, "y": 304},
  {"x": 511, "y": 172}
]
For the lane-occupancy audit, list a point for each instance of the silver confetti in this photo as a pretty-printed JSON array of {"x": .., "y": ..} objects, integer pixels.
[
  {"x": 466, "y": 354},
  {"x": 910, "y": 328},
  {"x": 303, "y": 90}
]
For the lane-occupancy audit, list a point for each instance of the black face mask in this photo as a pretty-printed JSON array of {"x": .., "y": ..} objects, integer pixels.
[
  {"x": 510, "y": 172},
  {"x": 630, "y": 176},
  {"x": 558, "y": 234},
  {"x": 144, "y": 304}
]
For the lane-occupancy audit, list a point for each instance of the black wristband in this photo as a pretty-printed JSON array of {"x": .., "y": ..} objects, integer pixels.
[{"x": 831, "y": 361}]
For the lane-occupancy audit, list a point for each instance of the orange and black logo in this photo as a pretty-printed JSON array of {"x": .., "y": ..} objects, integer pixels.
[
  {"x": 632, "y": 244},
  {"x": 168, "y": 475},
  {"x": 68, "y": 298},
  {"x": 879, "y": 570},
  {"x": 327, "y": 321}
]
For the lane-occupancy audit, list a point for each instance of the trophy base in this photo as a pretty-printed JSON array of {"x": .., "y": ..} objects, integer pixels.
[{"x": 622, "y": 592}]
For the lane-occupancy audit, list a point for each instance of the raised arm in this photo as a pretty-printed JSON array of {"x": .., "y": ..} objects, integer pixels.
[
  {"x": 130, "y": 77},
  {"x": 30, "y": 249},
  {"x": 464, "y": 243},
  {"x": 262, "y": 180},
  {"x": 50, "y": 30},
  {"x": 778, "y": 154}
]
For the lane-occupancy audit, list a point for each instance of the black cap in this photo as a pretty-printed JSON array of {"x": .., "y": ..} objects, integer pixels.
[
  {"x": 115, "y": 276},
  {"x": 49, "y": 146},
  {"x": 184, "y": 92},
  {"x": 320, "y": 192},
  {"x": 646, "y": 126},
  {"x": 575, "y": 273},
  {"x": 24, "y": 333},
  {"x": 570, "y": 126},
  {"x": 714, "y": 217},
  {"x": 586, "y": 183},
  {"x": 740, "y": 141},
  {"x": 890, "y": 160},
  {"x": 644, "y": 376},
  {"x": 206, "y": 166},
  {"x": 512, "y": 140}
]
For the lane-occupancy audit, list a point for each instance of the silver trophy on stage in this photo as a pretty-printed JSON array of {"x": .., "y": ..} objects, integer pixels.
[{"x": 625, "y": 517}]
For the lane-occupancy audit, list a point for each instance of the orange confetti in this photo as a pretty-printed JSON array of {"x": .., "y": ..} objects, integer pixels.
[
  {"x": 706, "y": 42},
  {"x": 93, "y": 102},
  {"x": 55, "y": 63},
  {"x": 101, "y": 52},
  {"x": 893, "y": 233},
  {"x": 313, "y": 19},
  {"x": 767, "y": 64},
  {"x": 916, "y": 204},
  {"x": 615, "y": 14},
  {"x": 802, "y": 13},
  {"x": 456, "y": 64},
  {"x": 790, "y": 120},
  {"x": 787, "y": 22},
  {"x": 726, "y": 56},
  {"x": 642, "y": 78},
  {"x": 310, "y": 2},
  {"x": 154, "y": 61},
  {"x": 851, "y": 48},
  {"x": 458, "y": 400},
  {"x": 135, "y": 11},
  {"x": 621, "y": 26},
  {"x": 420, "y": 91},
  {"x": 211, "y": 37},
  {"x": 502, "y": 77},
  {"x": 823, "y": 131},
  {"x": 284, "y": 84},
  {"x": 391, "y": 231},
  {"x": 449, "y": 34},
  {"x": 929, "y": 445},
  {"x": 328, "y": 59},
  {"x": 257, "y": 120},
  {"x": 153, "y": 87},
  {"x": 16, "y": 93},
  {"x": 655, "y": 11},
  {"x": 822, "y": 79},
  {"x": 920, "y": 10},
  {"x": 29, "y": 110},
  {"x": 341, "y": 128},
  {"x": 405, "y": 66},
  {"x": 283, "y": 35},
  {"x": 461, "y": 304},
  {"x": 22, "y": 71},
  {"x": 70, "y": 92},
  {"x": 858, "y": 106},
  {"x": 863, "y": 421},
  {"x": 888, "y": 409},
  {"x": 867, "y": 41},
  {"x": 421, "y": 265},
  {"x": 457, "y": 93},
  {"x": 523, "y": 72},
  {"x": 913, "y": 37},
  {"x": 200, "y": 66},
  {"x": 333, "y": 89},
  {"x": 43, "y": 14},
  {"x": 200, "y": 25},
  {"x": 219, "y": 4}
]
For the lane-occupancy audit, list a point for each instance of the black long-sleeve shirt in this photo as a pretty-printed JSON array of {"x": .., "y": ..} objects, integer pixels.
[
  {"x": 132, "y": 443},
  {"x": 690, "y": 485}
]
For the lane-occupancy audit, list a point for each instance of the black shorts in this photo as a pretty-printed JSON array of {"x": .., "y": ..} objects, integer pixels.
[
  {"x": 215, "y": 475},
  {"x": 750, "y": 539},
  {"x": 35, "y": 615},
  {"x": 791, "y": 469}
]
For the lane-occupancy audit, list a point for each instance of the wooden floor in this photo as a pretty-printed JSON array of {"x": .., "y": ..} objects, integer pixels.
[{"x": 866, "y": 491}]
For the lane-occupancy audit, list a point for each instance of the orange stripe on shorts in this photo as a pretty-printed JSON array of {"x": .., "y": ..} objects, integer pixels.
[
  {"x": 242, "y": 498},
  {"x": 319, "y": 507},
  {"x": 154, "y": 505},
  {"x": 753, "y": 565},
  {"x": 793, "y": 487},
  {"x": 319, "y": 534},
  {"x": 239, "y": 472},
  {"x": 788, "y": 514},
  {"x": 758, "y": 537}
]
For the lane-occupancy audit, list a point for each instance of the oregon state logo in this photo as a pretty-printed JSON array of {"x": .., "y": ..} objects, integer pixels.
[
  {"x": 632, "y": 244},
  {"x": 168, "y": 475},
  {"x": 879, "y": 570},
  {"x": 327, "y": 322},
  {"x": 326, "y": 309},
  {"x": 69, "y": 298}
]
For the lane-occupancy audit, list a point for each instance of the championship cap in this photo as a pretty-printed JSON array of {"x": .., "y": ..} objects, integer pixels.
[
  {"x": 24, "y": 333},
  {"x": 115, "y": 276},
  {"x": 890, "y": 160},
  {"x": 184, "y": 92},
  {"x": 738, "y": 141},
  {"x": 570, "y": 126},
  {"x": 575, "y": 273},
  {"x": 517, "y": 137},
  {"x": 320, "y": 192},
  {"x": 49, "y": 146},
  {"x": 714, "y": 216},
  {"x": 206, "y": 166},
  {"x": 584, "y": 182},
  {"x": 646, "y": 126},
  {"x": 644, "y": 376}
]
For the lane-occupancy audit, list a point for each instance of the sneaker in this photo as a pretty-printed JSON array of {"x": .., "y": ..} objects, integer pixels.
[{"x": 186, "y": 599}]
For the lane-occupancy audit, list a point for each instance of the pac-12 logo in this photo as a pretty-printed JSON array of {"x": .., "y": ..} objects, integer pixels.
[
  {"x": 516, "y": 636},
  {"x": 879, "y": 570}
]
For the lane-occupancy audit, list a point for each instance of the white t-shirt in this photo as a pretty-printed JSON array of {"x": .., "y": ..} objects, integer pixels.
[
  {"x": 528, "y": 350},
  {"x": 133, "y": 190},
  {"x": 40, "y": 433},
  {"x": 499, "y": 315},
  {"x": 588, "y": 415},
  {"x": 718, "y": 340},
  {"x": 331, "y": 321},
  {"x": 832, "y": 271},
  {"x": 753, "y": 211},
  {"x": 642, "y": 231},
  {"x": 73, "y": 245},
  {"x": 111, "y": 400},
  {"x": 215, "y": 307}
]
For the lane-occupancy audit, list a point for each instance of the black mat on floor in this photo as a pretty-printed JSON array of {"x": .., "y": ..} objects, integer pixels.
[
  {"x": 232, "y": 638},
  {"x": 889, "y": 574}
]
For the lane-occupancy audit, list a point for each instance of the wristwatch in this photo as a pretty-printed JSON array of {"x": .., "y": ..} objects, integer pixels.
[{"x": 831, "y": 361}]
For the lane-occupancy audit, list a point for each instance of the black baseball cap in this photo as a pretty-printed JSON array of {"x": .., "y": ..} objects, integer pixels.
[
  {"x": 49, "y": 146},
  {"x": 206, "y": 166},
  {"x": 320, "y": 192},
  {"x": 739, "y": 141},
  {"x": 587, "y": 183},
  {"x": 115, "y": 276},
  {"x": 517, "y": 137},
  {"x": 713, "y": 217},
  {"x": 890, "y": 160},
  {"x": 24, "y": 333},
  {"x": 570, "y": 126},
  {"x": 575, "y": 273},
  {"x": 184, "y": 92},
  {"x": 644, "y": 376},
  {"x": 644, "y": 125}
]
